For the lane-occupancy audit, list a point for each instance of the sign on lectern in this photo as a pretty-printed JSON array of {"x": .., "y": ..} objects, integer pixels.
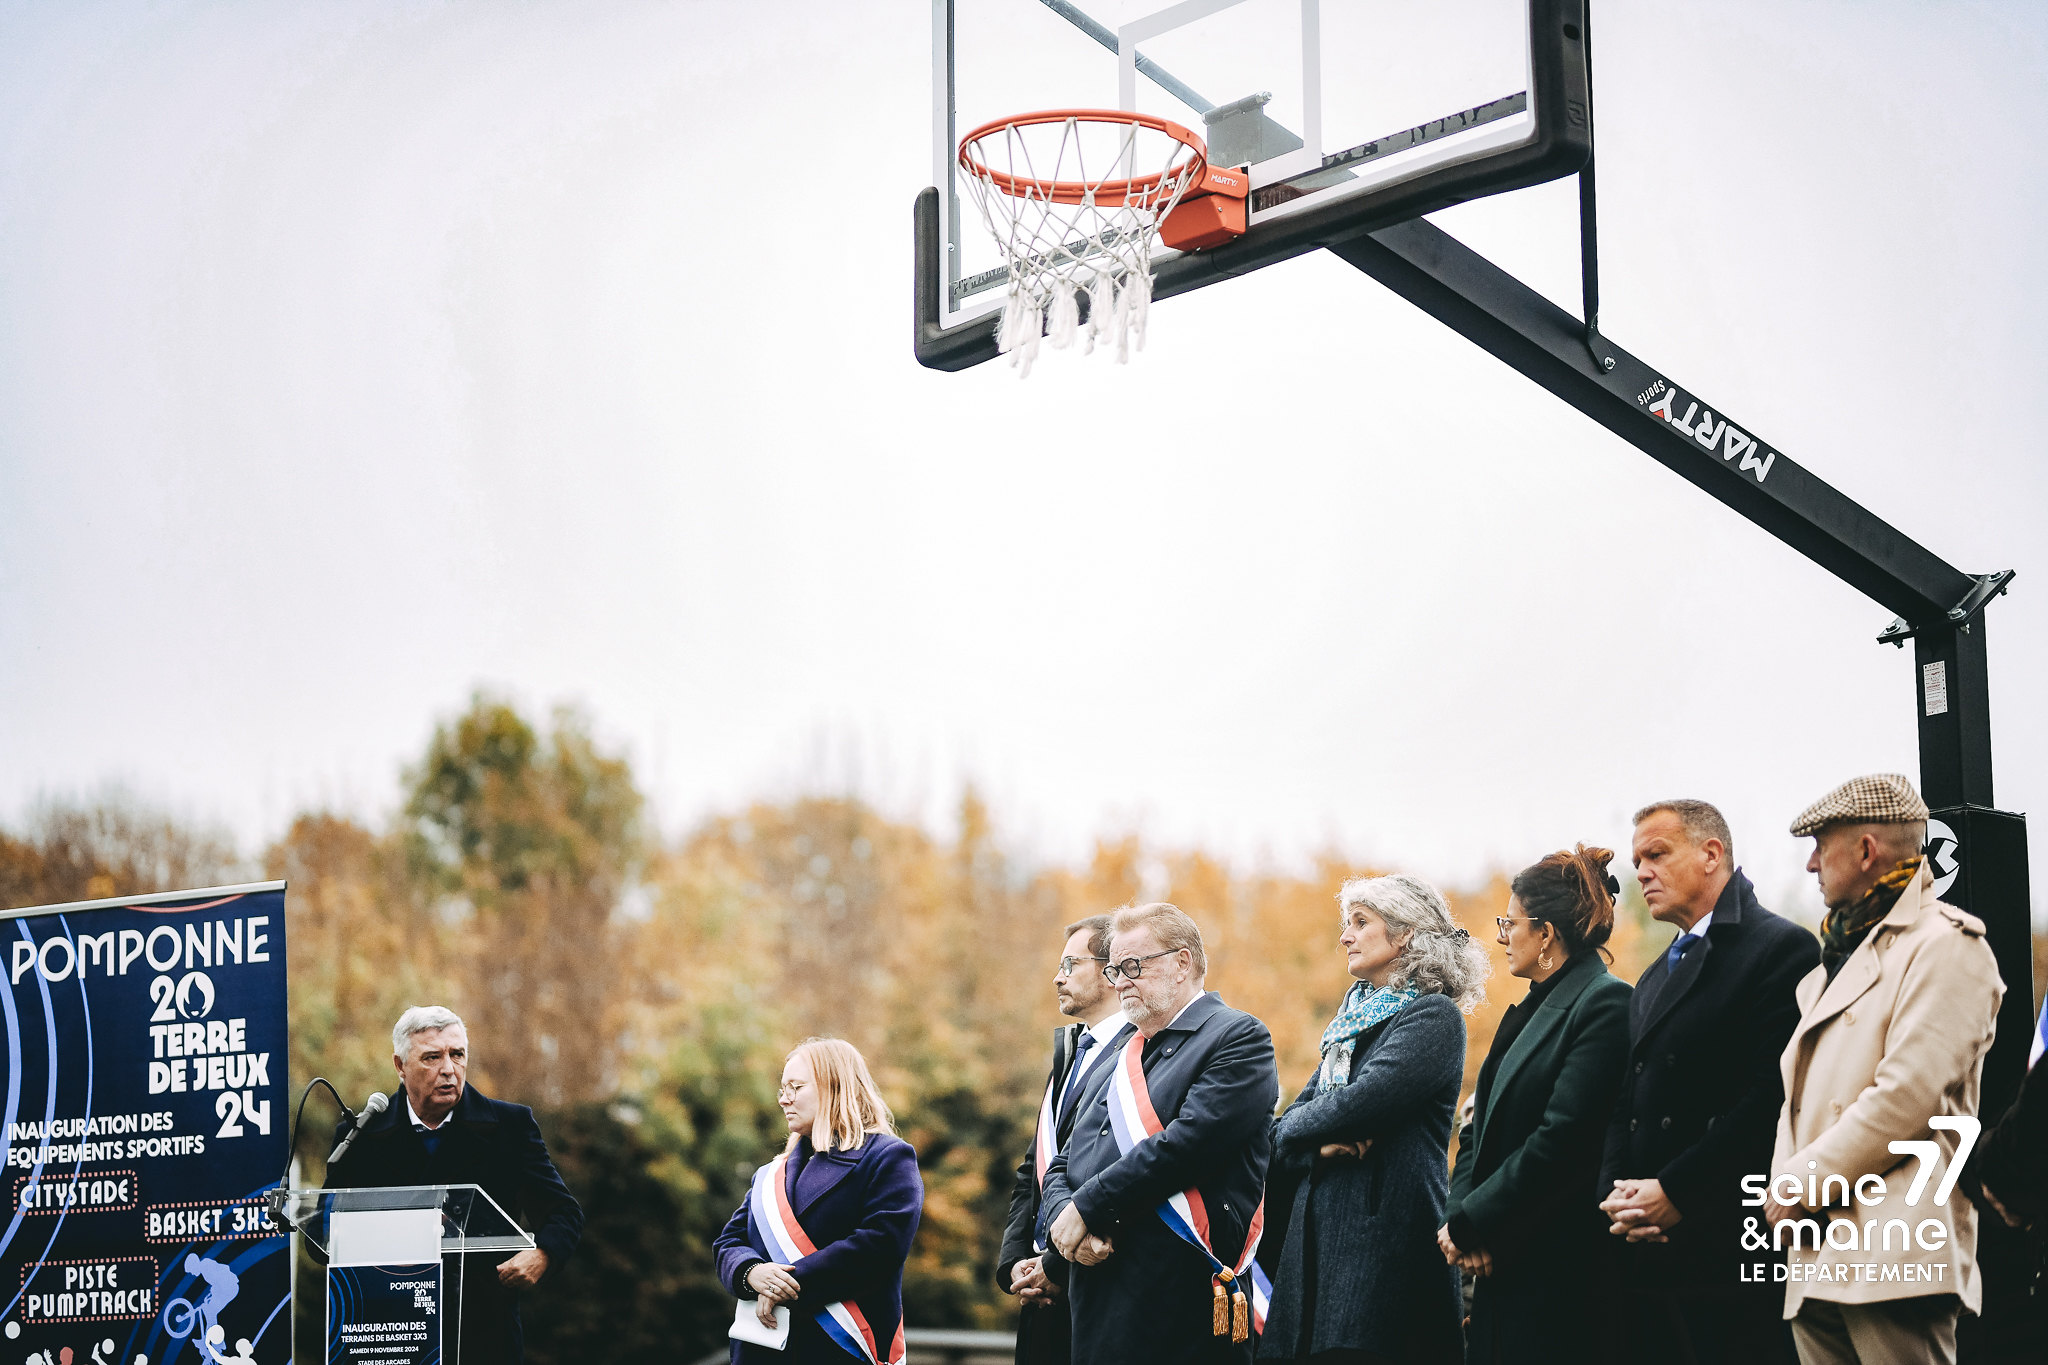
[{"x": 387, "y": 1294}]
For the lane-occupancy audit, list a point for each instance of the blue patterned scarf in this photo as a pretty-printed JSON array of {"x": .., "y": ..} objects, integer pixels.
[{"x": 1364, "y": 1006}]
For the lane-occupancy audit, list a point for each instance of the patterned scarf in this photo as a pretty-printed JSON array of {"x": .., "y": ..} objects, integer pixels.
[
  {"x": 1364, "y": 1005},
  {"x": 1843, "y": 929}
]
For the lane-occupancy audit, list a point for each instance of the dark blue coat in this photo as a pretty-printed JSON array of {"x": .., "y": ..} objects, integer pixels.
[
  {"x": 1045, "y": 1332},
  {"x": 1700, "y": 1092},
  {"x": 1213, "y": 1084},
  {"x": 860, "y": 1210},
  {"x": 497, "y": 1146},
  {"x": 1357, "y": 1266}
]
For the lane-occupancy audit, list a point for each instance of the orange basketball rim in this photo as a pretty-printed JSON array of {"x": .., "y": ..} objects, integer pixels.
[{"x": 1137, "y": 189}]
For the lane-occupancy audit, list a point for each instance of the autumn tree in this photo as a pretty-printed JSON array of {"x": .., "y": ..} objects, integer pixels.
[
  {"x": 113, "y": 845},
  {"x": 362, "y": 945},
  {"x": 528, "y": 843}
]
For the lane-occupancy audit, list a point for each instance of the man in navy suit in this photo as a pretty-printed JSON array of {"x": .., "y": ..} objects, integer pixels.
[
  {"x": 1207, "y": 1087},
  {"x": 1698, "y": 1108},
  {"x": 1039, "y": 1279},
  {"x": 446, "y": 1132}
]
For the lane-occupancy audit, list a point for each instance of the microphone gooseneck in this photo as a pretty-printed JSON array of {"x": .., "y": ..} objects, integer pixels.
[
  {"x": 376, "y": 1104},
  {"x": 279, "y": 1193}
]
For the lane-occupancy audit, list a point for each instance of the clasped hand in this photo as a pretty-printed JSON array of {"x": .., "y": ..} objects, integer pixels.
[
  {"x": 1478, "y": 1262},
  {"x": 1640, "y": 1211},
  {"x": 1070, "y": 1234},
  {"x": 2012, "y": 1220},
  {"x": 772, "y": 1284},
  {"x": 1029, "y": 1283}
]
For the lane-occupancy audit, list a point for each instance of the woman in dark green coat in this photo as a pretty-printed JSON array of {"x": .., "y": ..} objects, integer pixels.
[{"x": 1521, "y": 1213}]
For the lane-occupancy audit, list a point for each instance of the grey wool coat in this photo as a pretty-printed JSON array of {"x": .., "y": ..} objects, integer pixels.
[{"x": 1358, "y": 1265}]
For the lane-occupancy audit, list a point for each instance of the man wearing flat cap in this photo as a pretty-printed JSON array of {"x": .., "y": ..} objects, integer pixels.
[{"x": 1893, "y": 1028}]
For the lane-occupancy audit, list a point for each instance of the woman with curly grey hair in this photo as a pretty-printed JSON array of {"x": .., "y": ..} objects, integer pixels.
[{"x": 1357, "y": 1180}]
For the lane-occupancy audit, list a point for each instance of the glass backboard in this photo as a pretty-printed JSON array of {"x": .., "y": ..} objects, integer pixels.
[{"x": 1347, "y": 114}]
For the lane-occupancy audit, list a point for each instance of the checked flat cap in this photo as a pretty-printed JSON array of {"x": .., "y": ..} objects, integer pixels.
[{"x": 1879, "y": 799}]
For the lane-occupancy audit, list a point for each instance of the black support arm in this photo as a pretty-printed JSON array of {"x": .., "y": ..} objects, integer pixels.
[{"x": 1677, "y": 428}]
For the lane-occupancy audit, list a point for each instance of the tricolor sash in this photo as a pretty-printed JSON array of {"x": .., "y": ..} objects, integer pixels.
[
  {"x": 1043, "y": 1147},
  {"x": 779, "y": 1237},
  {"x": 1043, "y": 1150},
  {"x": 1133, "y": 1120}
]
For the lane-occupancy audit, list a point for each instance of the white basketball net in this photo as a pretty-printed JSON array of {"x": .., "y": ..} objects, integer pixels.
[{"x": 1058, "y": 252}]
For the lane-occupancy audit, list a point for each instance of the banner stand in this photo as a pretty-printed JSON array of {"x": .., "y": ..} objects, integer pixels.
[{"x": 144, "y": 1116}]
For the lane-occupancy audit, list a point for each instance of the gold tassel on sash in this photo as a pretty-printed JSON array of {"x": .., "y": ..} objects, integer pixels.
[
  {"x": 1240, "y": 1317},
  {"x": 1219, "y": 1312}
]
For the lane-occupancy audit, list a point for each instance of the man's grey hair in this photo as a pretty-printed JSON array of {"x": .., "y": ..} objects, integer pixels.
[
  {"x": 1436, "y": 956},
  {"x": 1701, "y": 820},
  {"x": 1170, "y": 924},
  {"x": 419, "y": 1019}
]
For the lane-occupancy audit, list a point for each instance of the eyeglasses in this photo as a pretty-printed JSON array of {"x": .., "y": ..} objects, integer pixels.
[
  {"x": 1131, "y": 968},
  {"x": 1507, "y": 925},
  {"x": 1067, "y": 964}
]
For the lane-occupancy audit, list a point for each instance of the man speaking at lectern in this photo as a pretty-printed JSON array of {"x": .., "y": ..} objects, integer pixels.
[{"x": 442, "y": 1131}]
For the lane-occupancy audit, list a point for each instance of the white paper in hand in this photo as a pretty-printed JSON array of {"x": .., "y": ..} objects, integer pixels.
[{"x": 747, "y": 1327}]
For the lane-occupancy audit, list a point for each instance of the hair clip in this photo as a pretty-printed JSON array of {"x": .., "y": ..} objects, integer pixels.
[{"x": 1461, "y": 933}]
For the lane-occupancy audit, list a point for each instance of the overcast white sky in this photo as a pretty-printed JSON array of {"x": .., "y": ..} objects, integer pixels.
[{"x": 353, "y": 356}]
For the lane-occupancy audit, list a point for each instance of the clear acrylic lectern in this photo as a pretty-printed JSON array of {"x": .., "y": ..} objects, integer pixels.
[{"x": 386, "y": 1291}]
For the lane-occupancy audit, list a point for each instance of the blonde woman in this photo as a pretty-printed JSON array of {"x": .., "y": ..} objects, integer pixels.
[{"x": 826, "y": 1228}]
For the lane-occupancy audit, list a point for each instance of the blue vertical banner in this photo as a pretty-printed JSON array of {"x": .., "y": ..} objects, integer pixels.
[{"x": 145, "y": 1118}]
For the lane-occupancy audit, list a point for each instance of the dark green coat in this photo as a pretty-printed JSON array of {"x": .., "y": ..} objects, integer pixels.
[{"x": 1527, "y": 1167}]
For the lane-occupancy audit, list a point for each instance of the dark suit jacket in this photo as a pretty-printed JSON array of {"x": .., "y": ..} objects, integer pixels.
[
  {"x": 860, "y": 1210},
  {"x": 1018, "y": 1231},
  {"x": 1698, "y": 1106},
  {"x": 2008, "y": 1157},
  {"x": 488, "y": 1143},
  {"x": 1355, "y": 1263},
  {"x": 1044, "y": 1334},
  {"x": 1214, "y": 1085},
  {"x": 1524, "y": 1164}
]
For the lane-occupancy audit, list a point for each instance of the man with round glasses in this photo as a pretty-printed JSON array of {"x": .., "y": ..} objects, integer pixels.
[
  {"x": 1157, "y": 1195},
  {"x": 1026, "y": 1266}
]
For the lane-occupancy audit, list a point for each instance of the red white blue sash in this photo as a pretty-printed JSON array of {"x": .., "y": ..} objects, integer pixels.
[
  {"x": 1133, "y": 1120},
  {"x": 782, "y": 1239},
  {"x": 1043, "y": 1146}
]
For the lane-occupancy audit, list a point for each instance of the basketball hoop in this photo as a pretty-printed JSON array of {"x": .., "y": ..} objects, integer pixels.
[{"x": 1074, "y": 198}]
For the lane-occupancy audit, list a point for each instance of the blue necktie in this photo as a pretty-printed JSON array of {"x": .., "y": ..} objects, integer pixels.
[
  {"x": 1678, "y": 951},
  {"x": 1073, "y": 1079}
]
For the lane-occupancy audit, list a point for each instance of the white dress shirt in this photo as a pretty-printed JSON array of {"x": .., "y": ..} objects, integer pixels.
[
  {"x": 421, "y": 1123},
  {"x": 1084, "y": 1062}
]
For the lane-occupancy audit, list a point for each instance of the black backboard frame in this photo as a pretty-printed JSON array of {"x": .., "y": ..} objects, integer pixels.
[{"x": 1562, "y": 143}]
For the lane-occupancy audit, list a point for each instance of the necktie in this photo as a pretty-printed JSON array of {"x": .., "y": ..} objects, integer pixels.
[
  {"x": 1678, "y": 951},
  {"x": 1074, "y": 1078}
]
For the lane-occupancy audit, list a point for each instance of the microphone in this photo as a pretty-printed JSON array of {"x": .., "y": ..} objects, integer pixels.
[{"x": 376, "y": 1104}]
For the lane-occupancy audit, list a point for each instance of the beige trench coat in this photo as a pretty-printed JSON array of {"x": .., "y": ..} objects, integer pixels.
[{"x": 1899, "y": 1035}]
